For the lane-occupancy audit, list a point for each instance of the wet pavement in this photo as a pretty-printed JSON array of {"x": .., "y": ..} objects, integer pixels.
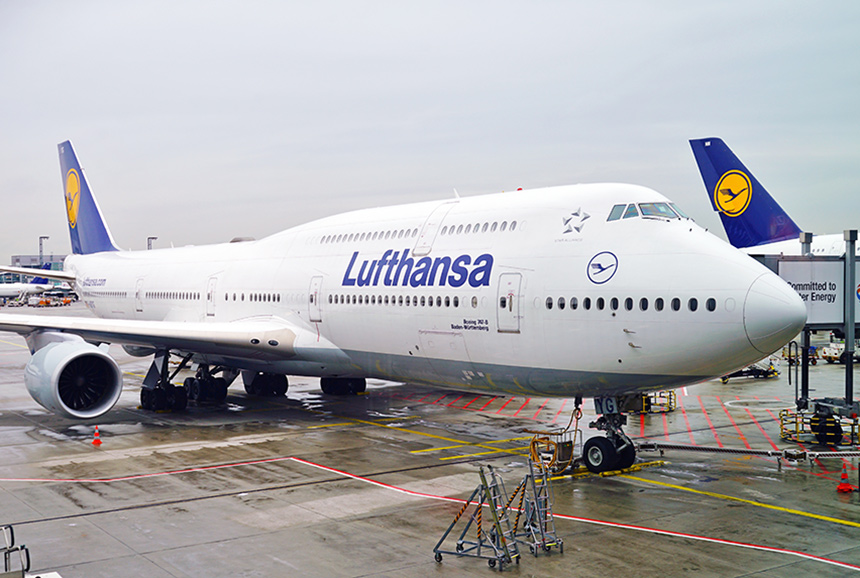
[{"x": 314, "y": 485}]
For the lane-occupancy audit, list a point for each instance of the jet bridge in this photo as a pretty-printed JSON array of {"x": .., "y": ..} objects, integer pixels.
[{"x": 828, "y": 287}]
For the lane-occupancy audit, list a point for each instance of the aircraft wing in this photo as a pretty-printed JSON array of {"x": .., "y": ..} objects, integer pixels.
[
  {"x": 48, "y": 274},
  {"x": 262, "y": 339}
]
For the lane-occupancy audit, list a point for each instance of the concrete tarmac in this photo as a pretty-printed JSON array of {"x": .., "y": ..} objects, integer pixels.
[{"x": 314, "y": 485}]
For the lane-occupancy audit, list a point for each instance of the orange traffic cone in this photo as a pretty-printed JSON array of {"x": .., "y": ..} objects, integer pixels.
[
  {"x": 98, "y": 442},
  {"x": 844, "y": 486}
]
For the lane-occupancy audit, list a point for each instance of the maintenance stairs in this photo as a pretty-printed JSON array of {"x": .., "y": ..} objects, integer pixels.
[
  {"x": 14, "y": 566},
  {"x": 498, "y": 545},
  {"x": 538, "y": 527}
]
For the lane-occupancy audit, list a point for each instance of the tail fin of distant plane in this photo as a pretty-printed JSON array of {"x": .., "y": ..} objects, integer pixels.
[
  {"x": 750, "y": 215},
  {"x": 41, "y": 280},
  {"x": 87, "y": 227}
]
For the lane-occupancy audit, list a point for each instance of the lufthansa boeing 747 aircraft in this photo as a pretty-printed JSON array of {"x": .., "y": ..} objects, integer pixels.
[{"x": 604, "y": 291}]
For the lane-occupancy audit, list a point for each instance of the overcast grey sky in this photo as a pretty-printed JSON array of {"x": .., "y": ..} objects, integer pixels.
[{"x": 200, "y": 121}]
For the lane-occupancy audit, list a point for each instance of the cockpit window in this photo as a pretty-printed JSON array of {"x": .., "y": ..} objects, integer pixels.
[
  {"x": 657, "y": 210},
  {"x": 616, "y": 212},
  {"x": 631, "y": 211},
  {"x": 679, "y": 211}
]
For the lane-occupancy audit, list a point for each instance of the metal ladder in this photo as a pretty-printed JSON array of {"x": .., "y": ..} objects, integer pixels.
[
  {"x": 538, "y": 523},
  {"x": 500, "y": 540},
  {"x": 7, "y": 548}
]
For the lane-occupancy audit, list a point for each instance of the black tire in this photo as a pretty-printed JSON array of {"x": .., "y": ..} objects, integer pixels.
[
  {"x": 335, "y": 386},
  {"x": 438, "y": 557},
  {"x": 219, "y": 389},
  {"x": 279, "y": 385},
  {"x": 146, "y": 398},
  {"x": 599, "y": 455},
  {"x": 827, "y": 430},
  {"x": 199, "y": 390},
  {"x": 159, "y": 399},
  {"x": 626, "y": 457},
  {"x": 180, "y": 399},
  {"x": 187, "y": 384},
  {"x": 358, "y": 385}
]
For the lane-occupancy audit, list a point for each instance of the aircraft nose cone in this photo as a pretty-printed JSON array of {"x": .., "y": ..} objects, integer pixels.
[{"x": 773, "y": 313}]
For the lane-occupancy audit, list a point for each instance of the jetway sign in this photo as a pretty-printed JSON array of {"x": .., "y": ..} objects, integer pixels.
[{"x": 820, "y": 282}]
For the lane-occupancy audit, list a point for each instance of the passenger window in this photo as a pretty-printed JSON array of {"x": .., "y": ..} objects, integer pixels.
[
  {"x": 456, "y": 301},
  {"x": 643, "y": 304},
  {"x": 631, "y": 212},
  {"x": 423, "y": 301},
  {"x": 485, "y": 227},
  {"x": 474, "y": 302},
  {"x": 693, "y": 303},
  {"x": 676, "y": 304},
  {"x": 711, "y": 304},
  {"x": 613, "y": 303},
  {"x": 658, "y": 304},
  {"x": 447, "y": 301},
  {"x": 444, "y": 230},
  {"x": 494, "y": 227},
  {"x": 549, "y": 302},
  {"x": 438, "y": 302},
  {"x": 586, "y": 303},
  {"x": 616, "y": 212},
  {"x": 573, "y": 302},
  {"x": 600, "y": 303},
  {"x": 561, "y": 302},
  {"x": 628, "y": 304},
  {"x": 504, "y": 226},
  {"x": 513, "y": 225}
]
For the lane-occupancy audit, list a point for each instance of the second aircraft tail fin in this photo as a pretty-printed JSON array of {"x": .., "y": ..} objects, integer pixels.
[
  {"x": 87, "y": 228},
  {"x": 749, "y": 214}
]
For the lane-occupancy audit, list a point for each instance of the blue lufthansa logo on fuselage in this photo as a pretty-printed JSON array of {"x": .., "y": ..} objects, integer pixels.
[{"x": 602, "y": 267}]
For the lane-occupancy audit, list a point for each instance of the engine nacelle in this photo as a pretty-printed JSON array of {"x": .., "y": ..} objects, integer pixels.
[{"x": 73, "y": 378}]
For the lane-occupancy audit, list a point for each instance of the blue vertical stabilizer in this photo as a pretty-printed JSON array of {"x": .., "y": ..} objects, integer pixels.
[
  {"x": 749, "y": 214},
  {"x": 87, "y": 228}
]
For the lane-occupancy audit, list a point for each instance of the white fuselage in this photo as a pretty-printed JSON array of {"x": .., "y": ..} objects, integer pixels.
[
  {"x": 531, "y": 292},
  {"x": 17, "y": 289},
  {"x": 822, "y": 245}
]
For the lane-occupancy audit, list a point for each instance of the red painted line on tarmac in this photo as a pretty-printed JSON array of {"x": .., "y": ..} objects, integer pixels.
[
  {"x": 492, "y": 399},
  {"x": 641, "y": 425},
  {"x": 710, "y": 425},
  {"x": 440, "y": 399},
  {"x": 558, "y": 413},
  {"x": 665, "y": 426},
  {"x": 618, "y": 525},
  {"x": 504, "y": 406},
  {"x": 150, "y": 475},
  {"x": 540, "y": 408},
  {"x": 687, "y": 421},
  {"x": 731, "y": 419},
  {"x": 761, "y": 429},
  {"x": 458, "y": 398},
  {"x": 528, "y": 399},
  {"x": 423, "y": 398},
  {"x": 477, "y": 397}
]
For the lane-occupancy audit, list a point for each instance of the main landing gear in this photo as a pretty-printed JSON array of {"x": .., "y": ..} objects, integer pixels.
[
  {"x": 159, "y": 394},
  {"x": 265, "y": 384},
  {"x": 343, "y": 385},
  {"x": 615, "y": 451}
]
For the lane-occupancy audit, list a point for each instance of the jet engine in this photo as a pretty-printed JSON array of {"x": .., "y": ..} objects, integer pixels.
[{"x": 73, "y": 378}]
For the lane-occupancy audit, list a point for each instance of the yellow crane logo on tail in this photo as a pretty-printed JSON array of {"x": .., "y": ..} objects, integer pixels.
[
  {"x": 733, "y": 193},
  {"x": 73, "y": 196}
]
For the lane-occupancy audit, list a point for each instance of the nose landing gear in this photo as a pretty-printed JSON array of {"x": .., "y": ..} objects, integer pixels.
[{"x": 615, "y": 451}]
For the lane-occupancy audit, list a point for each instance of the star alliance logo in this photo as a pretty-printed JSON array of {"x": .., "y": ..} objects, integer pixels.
[{"x": 575, "y": 221}]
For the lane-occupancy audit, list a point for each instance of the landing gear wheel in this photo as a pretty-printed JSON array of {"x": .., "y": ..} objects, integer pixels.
[
  {"x": 219, "y": 389},
  {"x": 599, "y": 455},
  {"x": 626, "y": 457},
  {"x": 199, "y": 390},
  {"x": 180, "y": 399},
  {"x": 159, "y": 399},
  {"x": 146, "y": 398}
]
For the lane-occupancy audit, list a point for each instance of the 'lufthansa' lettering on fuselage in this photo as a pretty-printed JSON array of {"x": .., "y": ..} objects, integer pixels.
[{"x": 395, "y": 268}]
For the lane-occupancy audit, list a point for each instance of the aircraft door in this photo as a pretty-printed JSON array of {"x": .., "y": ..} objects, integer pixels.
[
  {"x": 138, "y": 296},
  {"x": 314, "y": 299},
  {"x": 508, "y": 302},
  {"x": 431, "y": 226},
  {"x": 210, "y": 296}
]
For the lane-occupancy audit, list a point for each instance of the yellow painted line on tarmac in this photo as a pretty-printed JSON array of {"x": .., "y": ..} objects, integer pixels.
[
  {"x": 13, "y": 343},
  {"x": 468, "y": 445},
  {"x": 330, "y": 425},
  {"x": 436, "y": 449},
  {"x": 517, "y": 451},
  {"x": 750, "y": 502}
]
